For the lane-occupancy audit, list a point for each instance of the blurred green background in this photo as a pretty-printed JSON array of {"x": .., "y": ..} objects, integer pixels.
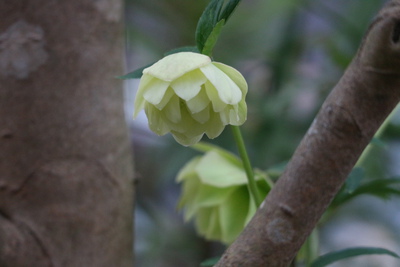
[{"x": 292, "y": 53}]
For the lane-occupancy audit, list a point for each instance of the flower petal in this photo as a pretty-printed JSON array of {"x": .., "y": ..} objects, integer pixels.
[
  {"x": 202, "y": 116},
  {"x": 184, "y": 139},
  {"x": 139, "y": 100},
  {"x": 156, "y": 121},
  {"x": 234, "y": 115},
  {"x": 187, "y": 124},
  {"x": 175, "y": 65},
  {"x": 188, "y": 169},
  {"x": 214, "y": 126},
  {"x": 240, "y": 114},
  {"x": 224, "y": 116},
  {"x": 203, "y": 218},
  {"x": 189, "y": 85},
  {"x": 167, "y": 96},
  {"x": 242, "y": 110},
  {"x": 155, "y": 91},
  {"x": 215, "y": 170},
  {"x": 234, "y": 207},
  {"x": 214, "y": 231},
  {"x": 190, "y": 189},
  {"x": 172, "y": 110},
  {"x": 228, "y": 91},
  {"x": 210, "y": 195},
  {"x": 212, "y": 94},
  {"x": 235, "y": 76},
  {"x": 207, "y": 223},
  {"x": 199, "y": 102}
]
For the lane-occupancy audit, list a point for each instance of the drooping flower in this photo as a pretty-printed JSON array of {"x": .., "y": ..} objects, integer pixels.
[
  {"x": 188, "y": 95},
  {"x": 215, "y": 194}
]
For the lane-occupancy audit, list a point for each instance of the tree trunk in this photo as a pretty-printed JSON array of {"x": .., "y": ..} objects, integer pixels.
[
  {"x": 66, "y": 191},
  {"x": 367, "y": 93}
]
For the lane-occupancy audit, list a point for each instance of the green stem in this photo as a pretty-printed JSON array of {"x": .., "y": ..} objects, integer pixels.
[
  {"x": 378, "y": 134},
  {"x": 312, "y": 247},
  {"x": 247, "y": 165}
]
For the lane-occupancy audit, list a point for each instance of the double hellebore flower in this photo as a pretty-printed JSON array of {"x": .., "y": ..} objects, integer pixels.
[
  {"x": 188, "y": 95},
  {"x": 215, "y": 195}
]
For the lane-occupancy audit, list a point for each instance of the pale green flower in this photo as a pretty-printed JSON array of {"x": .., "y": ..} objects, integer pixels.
[
  {"x": 188, "y": 95},
  {"x": 215, "y": 194}
]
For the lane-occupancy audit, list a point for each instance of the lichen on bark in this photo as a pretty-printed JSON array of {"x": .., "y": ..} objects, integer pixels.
[{"x": 22, "y": 49}]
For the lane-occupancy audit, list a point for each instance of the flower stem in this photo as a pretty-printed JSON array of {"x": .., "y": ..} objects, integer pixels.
[
  {"x": 378, "y": 134},
  {"x": 247, "y": 165}
]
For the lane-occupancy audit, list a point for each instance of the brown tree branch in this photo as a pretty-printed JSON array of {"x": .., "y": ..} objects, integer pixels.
[{"x": 368, "y": 91}]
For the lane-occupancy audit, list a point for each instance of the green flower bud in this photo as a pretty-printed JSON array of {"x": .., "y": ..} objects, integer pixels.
[
  {"x": 215, "y": 195},
  {"x": 188, "y": 95}
]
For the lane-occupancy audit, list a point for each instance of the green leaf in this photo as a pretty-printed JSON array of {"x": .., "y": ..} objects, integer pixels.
[
  {"x": 210, "y": 262},
  {"x": 276, "y": 170},
  {"x": 207, "y": 22},
  {"x": 228, "y": 10},
  {"x": 136, "y": 74},
  {"x": 354, "y": 179},
  {"x": 212, "y": 38},
  {"x": 309, "y": 252},
  {"x": 263, "y": 176},
  {"x": 378, "y": 142},
  {"x": 382, "y": 188},
  {"x": 211, "y": 22},
  {"x": 332, "y": 257}
]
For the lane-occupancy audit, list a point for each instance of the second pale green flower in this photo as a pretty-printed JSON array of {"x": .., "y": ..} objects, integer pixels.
[
  {"x": 215, "y": 194},
  {"x": 188, "y": 95}
]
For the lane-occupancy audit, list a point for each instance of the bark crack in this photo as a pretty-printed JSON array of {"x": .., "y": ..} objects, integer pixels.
[
  {"x": 40, "y": 244},
  {"x": 396, "y": 32},
  {"x": 5, "y": 215}
]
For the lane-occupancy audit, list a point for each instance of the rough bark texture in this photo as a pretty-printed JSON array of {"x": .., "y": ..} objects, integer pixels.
[
  {"x": 348, "y": 119},
  {"x": 66, "y": 191}
]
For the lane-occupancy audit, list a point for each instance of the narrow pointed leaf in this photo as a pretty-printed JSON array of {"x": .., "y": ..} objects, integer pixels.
[
  {"x": 354, "y": 179},
  {"x": 207, "y": 22},
  {"x": 382, "y": 188},
  {"x": 229, "y": 9},
  {"x": 212, "y": 38},
  {"x": 378, "y": 142},
  {"x": 332, "y": 257},
  {"x": 136, "y": 74},
  {"x": 210, "y": 262}
]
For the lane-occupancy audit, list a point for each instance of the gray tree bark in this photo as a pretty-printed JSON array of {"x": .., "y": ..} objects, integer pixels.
[
  {"x": 66, "y": 191},
  {"x": 367, "y": 93}
]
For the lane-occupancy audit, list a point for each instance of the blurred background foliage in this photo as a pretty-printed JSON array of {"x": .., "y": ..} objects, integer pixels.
[{"x": 292, "y": 53}]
